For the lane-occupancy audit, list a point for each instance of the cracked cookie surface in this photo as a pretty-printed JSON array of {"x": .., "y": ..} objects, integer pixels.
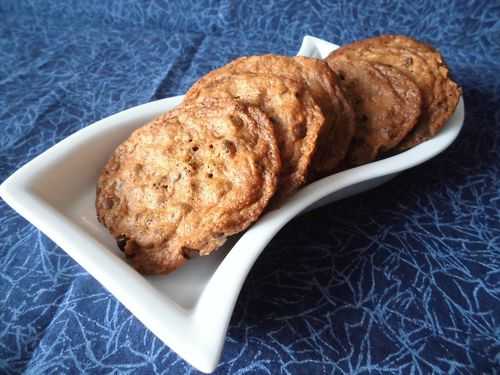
[{"x": 181, "y": 184}]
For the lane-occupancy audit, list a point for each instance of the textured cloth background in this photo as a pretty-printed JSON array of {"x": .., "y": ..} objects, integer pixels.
[{"x": 403, "y": 279}]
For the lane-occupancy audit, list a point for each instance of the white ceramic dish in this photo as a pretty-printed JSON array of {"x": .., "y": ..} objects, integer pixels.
[{"x": 189, "y": 309}]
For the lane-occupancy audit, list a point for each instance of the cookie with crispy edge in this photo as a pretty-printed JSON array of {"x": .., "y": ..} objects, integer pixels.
[
  {"x": 297, "y": 118},
  {"x": 425, "y": 66},
  {"x": 387, "y": 103},
  {"x": 322, "y": 83},
  {"x": 186, "y": 181}
]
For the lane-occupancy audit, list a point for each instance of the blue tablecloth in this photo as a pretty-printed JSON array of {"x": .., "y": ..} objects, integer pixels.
[{"x": 402, "y": 279}]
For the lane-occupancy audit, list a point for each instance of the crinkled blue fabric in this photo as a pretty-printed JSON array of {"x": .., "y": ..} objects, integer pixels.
[{"x": 404, "y": 279}]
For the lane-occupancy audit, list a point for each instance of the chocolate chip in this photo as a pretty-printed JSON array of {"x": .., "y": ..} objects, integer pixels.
[
  {"x": 299, "y": 131},
  {"x": 274, "y": 120},
  {"x": 121, "y": 241},
  {"x": 408, "y": 61},
  {"x": 189, "y": 253},
  {"x": 236, "y": 120},
  {"x": 130, "y": 248},
  {"x": 229, "y": 147}
]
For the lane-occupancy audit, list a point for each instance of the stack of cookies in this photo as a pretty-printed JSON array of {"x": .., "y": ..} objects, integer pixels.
[
  {"x": 252, "y": 132},
  {"x": 400, "y": 90}
]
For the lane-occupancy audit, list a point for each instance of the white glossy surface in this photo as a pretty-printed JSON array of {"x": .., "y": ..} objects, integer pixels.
[{"x": 189, "y": 309}]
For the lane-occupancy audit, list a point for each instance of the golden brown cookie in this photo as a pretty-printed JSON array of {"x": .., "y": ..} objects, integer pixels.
[
  {"x": 335, "y": 140},
  {"x": 386, "y": 101},
  {"x": 425, "y": 66},
  {"x": 297, "y": 118},
  {"x": 186, "y": 181},
  {"x": 399, "y": 41},
  {"x": 339, "y": 116}
]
